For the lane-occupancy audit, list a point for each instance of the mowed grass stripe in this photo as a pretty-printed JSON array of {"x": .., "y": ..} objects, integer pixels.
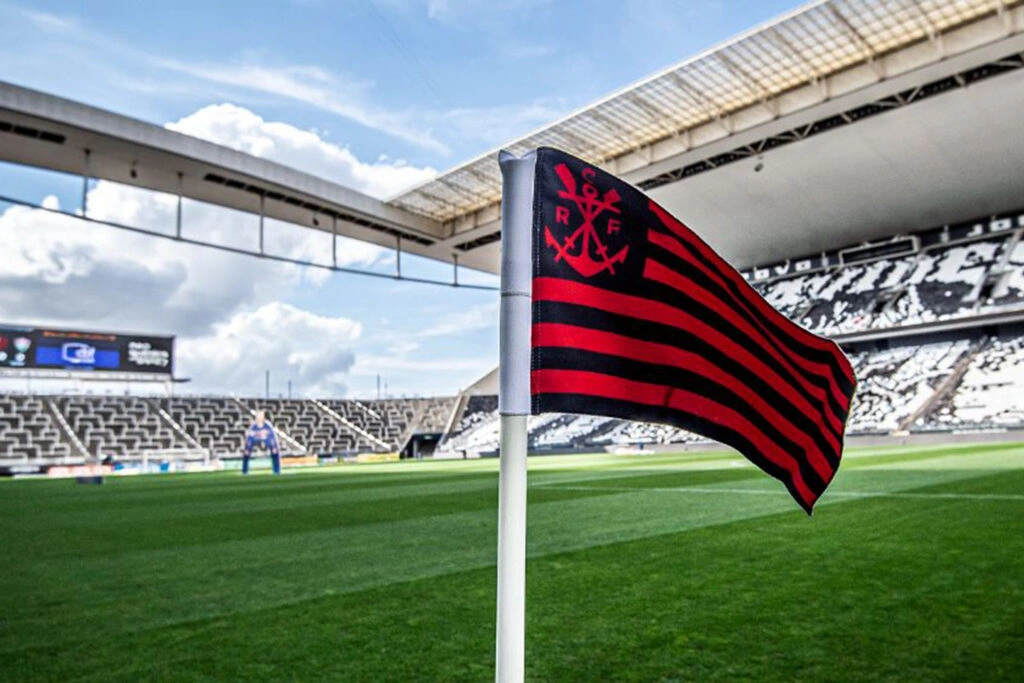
[
  {"x": 927, "y": 492},
  {"x": 109, "y": 534},
  {"x": 117, "y": 500},
  {"x": 232, "y": 488}
]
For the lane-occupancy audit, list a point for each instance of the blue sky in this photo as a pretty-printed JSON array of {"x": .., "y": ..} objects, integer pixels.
[{"x": 372, "y": 93}]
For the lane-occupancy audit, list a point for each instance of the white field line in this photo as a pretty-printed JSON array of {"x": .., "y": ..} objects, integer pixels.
[{"x": 767, "y": 492}]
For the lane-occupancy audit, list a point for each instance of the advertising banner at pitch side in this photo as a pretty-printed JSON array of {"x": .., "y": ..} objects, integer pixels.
[{"x": 36, "y": 348}]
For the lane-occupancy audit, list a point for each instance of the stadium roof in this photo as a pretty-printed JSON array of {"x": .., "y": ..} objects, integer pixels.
[
  {"x": 868, "y": 118},
  {"x": 804, "y": 47},
  {"x": 39, "y": 129}
]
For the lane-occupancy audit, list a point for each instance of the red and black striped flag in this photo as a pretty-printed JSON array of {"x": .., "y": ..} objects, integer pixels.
[{"x": 634, "y": 316}]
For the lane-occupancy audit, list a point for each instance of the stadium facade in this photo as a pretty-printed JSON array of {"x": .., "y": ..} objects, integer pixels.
[{"x": 860, "y": 161}]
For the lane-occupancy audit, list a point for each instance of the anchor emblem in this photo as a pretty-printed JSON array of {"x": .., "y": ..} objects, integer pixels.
[{"x": 584, "y": 250}]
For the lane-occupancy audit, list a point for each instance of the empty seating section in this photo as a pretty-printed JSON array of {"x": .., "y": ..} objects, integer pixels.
[
  {"x": 477, "y": 430},
  {"x": 394, "y": 420},
  {"x": 119, "y": 426},
  {"x": 122, "y": 426},
  {"x": 991, "y": 392},
  {"x": 480, "y": 433},
  {"x": 218, "y": 424},
  {"x": 483, "y": 436},
  {"x": 28, "y": 430},
  {"x": 937, "y": 284},
  {"x": 795, "y": 295},
  {"x": 313, "y": 428},
  {"x": 627, "y": 433},
  {"x": 478, "y": 409},
  {"x": 1010, "y": 290},
  {"x": 388, "y": 420},
  {"x": 946, "y": 283},
  {"x": 436, "y": 412},
  {"x": 574, "y": 429},
  {"x": 856, "y": 293},
  {"x": 894, "y": 383}
]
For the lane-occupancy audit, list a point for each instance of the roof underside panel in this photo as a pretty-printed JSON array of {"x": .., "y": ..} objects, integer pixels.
[{"x": 810, "y": 44}]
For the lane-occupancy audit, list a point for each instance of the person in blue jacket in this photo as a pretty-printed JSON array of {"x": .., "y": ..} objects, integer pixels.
[{"x": 260, "y": 433}]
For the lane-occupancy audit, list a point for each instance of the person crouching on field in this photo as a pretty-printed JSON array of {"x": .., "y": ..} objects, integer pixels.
[{"x": 260, "y": 433}]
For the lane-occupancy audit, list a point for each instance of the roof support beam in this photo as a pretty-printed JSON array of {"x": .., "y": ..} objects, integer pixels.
[
  {"x": 785, "y": 46},
  {"x": 922, "y": 19},
  {"x": 581, "y": 143},
  {"x": 1004, "y": 15},
  {"x": 755, "y": 88},
  {"x": 859, "y": 39},
  {"x": 657, "y": 114},
  {"x": 456, "y": 188},
  {"x": 605, "y": 123},
  {"x": 712, "y": 110}
]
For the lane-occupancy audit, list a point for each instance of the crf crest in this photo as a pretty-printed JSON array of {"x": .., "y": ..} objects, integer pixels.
[{"x": 584, "y": 248}]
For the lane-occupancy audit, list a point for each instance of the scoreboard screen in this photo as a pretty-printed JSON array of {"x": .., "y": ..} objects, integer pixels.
[{"x": 36, "y": 348}]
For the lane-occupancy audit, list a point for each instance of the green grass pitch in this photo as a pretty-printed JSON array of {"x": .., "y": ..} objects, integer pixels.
[{"x": 642, "y": 568}]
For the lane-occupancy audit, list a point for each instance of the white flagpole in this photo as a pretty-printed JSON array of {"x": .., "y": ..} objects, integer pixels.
[{"x": 514, "y": 406}]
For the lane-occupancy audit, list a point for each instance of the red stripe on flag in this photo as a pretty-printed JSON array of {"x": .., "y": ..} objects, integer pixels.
[
  {"x": 572, "y": 292},
  {"x": 653, "y": 270},
  {"x": 608, "y": 386},
  {"x": 787, "y": 325},
  {"x": 785, "y": 354},
  {"x": 596, "y": 341}
]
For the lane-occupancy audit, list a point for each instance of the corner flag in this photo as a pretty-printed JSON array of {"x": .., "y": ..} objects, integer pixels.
[{"x": 611, "y": 306}]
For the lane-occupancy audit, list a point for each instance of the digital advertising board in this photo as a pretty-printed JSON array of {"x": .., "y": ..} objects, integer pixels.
[{"x": 38, "y": 348}]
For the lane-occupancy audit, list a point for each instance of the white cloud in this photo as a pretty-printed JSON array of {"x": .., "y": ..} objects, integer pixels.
[
  {"x": 48, "y": 21},
  {"x": 257, "y": 80},
  {"x": 497, "y": 124},
  {"x": 226, "y": 309},
  {"x": 237, "y": 127},
  {"x": 311, "y": 85},
  {"x": 422, "y": 127},
  {"x": 56, "y": 269},
  {"x": 461, "y": 322},
  {"x": 526, "y": 50},
  {"x": 315, "y": 87},
  {"x": 487, "y": 14},
  {"x": 416, "y": 375},
  {"x": 313, "y": 351}
]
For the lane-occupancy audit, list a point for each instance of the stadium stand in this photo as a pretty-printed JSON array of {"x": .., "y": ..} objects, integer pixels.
[
  {"x": 966, "y": 383},
  {"x": 990, "y": 394},
  {"x": 626, "y": 433},
  {"x": 391, "y": 422},
  {"x": 971, "y": 379},
  {"x": 215, "y": 423},
  {"x": 305, "y": 426},
  {"x": 944, "y": 284},
  {"x": 121, "y": 426},
  {"x": 939, "y": 283},
  {"x": 894, "y": 384},
  {"x": 1007, "y": 287},
  {"x": 28, "y": 430}
]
